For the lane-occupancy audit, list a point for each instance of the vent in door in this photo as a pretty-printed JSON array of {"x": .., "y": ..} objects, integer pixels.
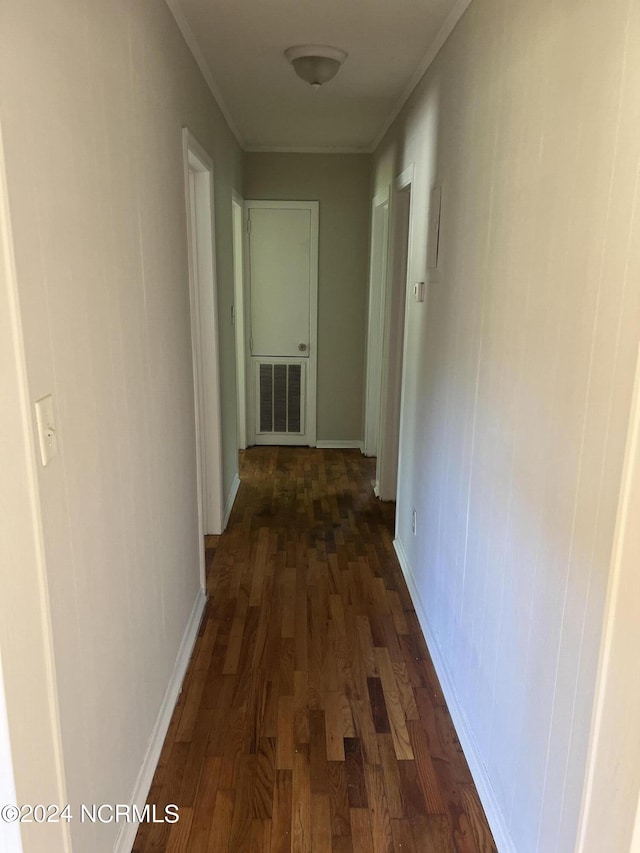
[{"x": 280, "y": 397}]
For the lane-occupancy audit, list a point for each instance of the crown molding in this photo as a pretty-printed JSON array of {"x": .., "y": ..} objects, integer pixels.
[
  {"x": 293, "y": 149},
  {"x": 434, "y": 48},
  {"x": 187, "y": 33}
]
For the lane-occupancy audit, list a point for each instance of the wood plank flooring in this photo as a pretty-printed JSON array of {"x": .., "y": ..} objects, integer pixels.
[{"x": 311, "y": 719}]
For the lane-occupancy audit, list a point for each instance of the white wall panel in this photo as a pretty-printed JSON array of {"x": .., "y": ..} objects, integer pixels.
[
  {"x": 93, "y": 98},
  {"x": 518, "y": 379}
]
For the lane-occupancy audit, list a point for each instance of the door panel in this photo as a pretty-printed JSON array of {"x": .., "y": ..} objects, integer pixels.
[
  {"x": 280, "y": 243},
  {"x": 283, "y": 277}
]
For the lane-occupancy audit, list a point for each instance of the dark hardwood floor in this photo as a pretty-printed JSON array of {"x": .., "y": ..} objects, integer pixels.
[{"x": 311, "y": 718}]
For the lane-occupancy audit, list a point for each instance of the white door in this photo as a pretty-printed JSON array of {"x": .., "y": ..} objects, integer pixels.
[{"x": 283, "y": 286}]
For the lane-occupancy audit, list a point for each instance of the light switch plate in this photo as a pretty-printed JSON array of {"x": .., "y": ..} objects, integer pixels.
[
  {"x": 418, "y": 291},
  {"x": 46, "y": 429}
]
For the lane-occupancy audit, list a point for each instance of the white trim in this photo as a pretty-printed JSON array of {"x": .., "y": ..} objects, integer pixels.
[
  {"x": 434, "y": 48},
  {"x": 192, "y": 43},
  {"x": 282, "y": 440},
  {"x": 316, "y": 149},
  {"x": 125, "y": 839},
  {"x": 231, "y": 499},
  {"x": 240, "y": 315},
  {"x": 381, "y": 198},
  {"x": 312, "y": 367},
  {"x": 394, "y": 300},
  {"x": 405, "y": 181},
  {"x": 610, "y": 797},
  {"x": 378, "y": 269},
  {"x": 487, "y": 795},
  {"x": 344, "y": 444},
  {"x": 405, "y": 177},
  {"x": 203, "y": 288},
  {"x": 249, "y": 390}
]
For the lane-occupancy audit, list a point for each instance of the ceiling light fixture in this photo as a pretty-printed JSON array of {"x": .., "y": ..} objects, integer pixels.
[{"x": 315, "y": 63}]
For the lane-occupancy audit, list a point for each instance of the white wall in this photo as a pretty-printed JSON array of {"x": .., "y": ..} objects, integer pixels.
[
  {"x": 613, "y": 775},
  {"x": 518, "y": 381},
  {"x": 93, "y": 99},
  {"x": 30, "y": 750}
]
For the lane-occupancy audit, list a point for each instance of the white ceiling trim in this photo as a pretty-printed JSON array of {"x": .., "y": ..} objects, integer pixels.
[
  {"x": 269, "y": 149},
  {"x": 192, "y": 44},
  {"x": 443, "y": 34}
]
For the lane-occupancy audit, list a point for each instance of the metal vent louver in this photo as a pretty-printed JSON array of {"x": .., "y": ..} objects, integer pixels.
[{"x": 280, "y": 398}]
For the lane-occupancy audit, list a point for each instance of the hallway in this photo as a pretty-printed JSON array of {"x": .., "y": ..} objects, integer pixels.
[{"x": 311, "y": 718}]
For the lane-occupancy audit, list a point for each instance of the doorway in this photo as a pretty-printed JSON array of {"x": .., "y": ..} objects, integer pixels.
[
  {"x": 394, "y": 302},
  {"x": 375, "y": 324},
  {"x": 198, "y": 168},
  {"x": 239, "y": 319},
  {"x": 282, "y": 297}
]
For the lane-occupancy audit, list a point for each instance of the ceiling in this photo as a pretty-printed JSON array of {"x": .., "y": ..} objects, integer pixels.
[{"x": 239, "y": 46}]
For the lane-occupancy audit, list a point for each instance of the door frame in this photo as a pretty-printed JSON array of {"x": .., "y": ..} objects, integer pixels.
[
  {"x": 312, "y": 366},
  {"x": 394, "y": 350},
  {"x": 203, "y": 298},
  {"x": 378, "y": 268},
  {"x": 238, "y": 217},
  {"x": 610, "y": 805}
]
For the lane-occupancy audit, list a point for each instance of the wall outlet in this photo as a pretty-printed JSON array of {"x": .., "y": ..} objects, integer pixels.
[{"x": 414, "y": 521}]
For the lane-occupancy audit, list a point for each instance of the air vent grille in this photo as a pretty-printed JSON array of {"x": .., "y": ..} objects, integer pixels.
[
  {"x": 266, "y": 398},
  {"x": 280, "y": 396}
]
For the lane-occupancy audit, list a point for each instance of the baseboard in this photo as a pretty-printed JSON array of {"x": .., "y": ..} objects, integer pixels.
[
  {"x": 127, "y": 835},
  {"x": 231, "y": 497},
  {"x": 477, "y": 767},
  {"x": 347, "y": 444}
]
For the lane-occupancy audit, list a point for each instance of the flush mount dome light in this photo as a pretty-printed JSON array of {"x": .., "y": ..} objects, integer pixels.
[{"x": 315, "y": 63}]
